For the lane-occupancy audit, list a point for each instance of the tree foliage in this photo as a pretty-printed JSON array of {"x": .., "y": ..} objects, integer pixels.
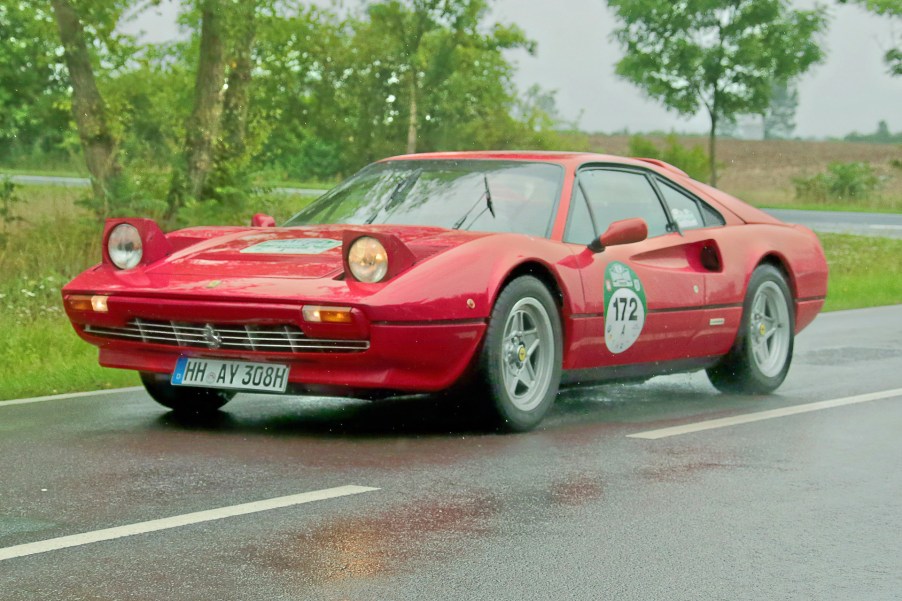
[
  {"x": 33, "y": 105},
  {"x": 282, "y": 86},
  {"x": 893, "y": 10},
  {"x": 719, "y": 56}
]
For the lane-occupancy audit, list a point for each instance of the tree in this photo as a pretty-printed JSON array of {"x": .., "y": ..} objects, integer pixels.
[
  {"x": 715, "y": 55},
  {"x": 33, "y": 115},
  {"x": 893, "y": 10},
  {"x": 335, "y": 93},
  {"x": 427, "y": 39},
  {"x": 301, "y": 95},
  {"x": 202, "y": 126},
  {"x": 88, "y": 107},
  {"x": 779, "y": 118},
  {"x": 231, "y": 152}
]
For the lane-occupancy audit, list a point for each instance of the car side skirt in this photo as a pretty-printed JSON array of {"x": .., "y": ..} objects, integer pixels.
[{"x": 635, "y": 371}]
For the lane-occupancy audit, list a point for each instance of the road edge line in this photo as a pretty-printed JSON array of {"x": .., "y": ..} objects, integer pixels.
[
  {"x": 177, "y": 521},
  {"x": 757, "y": 416},
  {"x": 68, "y": 395}
]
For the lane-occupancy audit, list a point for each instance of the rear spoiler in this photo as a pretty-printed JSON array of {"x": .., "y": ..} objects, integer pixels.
[{"x": 663, "y": 165}]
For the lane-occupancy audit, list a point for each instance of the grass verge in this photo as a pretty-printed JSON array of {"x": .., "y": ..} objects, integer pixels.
[
  {"x": 864, "y": 271},
  {"x": 45, "y": 356}
]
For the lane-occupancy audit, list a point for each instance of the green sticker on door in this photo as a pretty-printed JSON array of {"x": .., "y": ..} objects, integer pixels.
[{"x": 624, "y": 307}]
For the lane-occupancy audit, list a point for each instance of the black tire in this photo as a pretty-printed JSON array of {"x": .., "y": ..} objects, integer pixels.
[
  {"x": 519, "y": 369},
  {"x": 761, "y": 356},
  {"x": 184, "y": 400}
]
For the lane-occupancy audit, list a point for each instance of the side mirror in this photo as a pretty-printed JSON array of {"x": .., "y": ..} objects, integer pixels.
[
  {"x": 263, "y": 220},
  {"x": 626, "y": 231}
]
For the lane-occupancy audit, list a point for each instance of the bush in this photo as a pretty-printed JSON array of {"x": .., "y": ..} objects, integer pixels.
[
  {"x": 239, "y": 209},
  {"x": 693, "y": 160},
  {"x": 841, "y": 182},
  {"x": 134, "y": 193}
]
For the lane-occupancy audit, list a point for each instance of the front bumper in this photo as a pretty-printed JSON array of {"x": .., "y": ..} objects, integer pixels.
[{"x": 422, "y": 356}]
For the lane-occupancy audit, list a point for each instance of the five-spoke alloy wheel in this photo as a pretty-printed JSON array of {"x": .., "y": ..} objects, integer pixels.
[
  {"x": 520, "y": 363},
  {"x": 760, "y": 357}
]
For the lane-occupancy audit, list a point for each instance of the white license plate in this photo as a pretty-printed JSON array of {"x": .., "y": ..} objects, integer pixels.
[{"x": 231, "y": 375}]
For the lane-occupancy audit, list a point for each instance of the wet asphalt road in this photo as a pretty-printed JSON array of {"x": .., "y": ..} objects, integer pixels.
[
  {"x": 887, "y": 225},
  {"x": 801, "y": 507}
]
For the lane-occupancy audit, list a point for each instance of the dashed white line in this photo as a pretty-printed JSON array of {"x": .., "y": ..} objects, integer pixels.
[
  {"x": 762, "y": 415},
  {"x": 71, "y": 395},
  {"x": 177, "y": 521}
]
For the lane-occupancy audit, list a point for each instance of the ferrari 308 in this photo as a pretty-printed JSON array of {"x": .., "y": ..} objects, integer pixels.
[{"x": 500, "y": 276}]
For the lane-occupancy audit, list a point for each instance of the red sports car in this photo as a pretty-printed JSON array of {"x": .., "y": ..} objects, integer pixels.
[{"x": 501, "y": 274}]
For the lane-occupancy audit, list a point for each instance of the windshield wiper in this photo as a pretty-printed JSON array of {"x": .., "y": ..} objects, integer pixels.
[
  {"x": 403, "y": 185},
  {"x": 489, "y": 206},
  {"x": 488, "y": 195}
]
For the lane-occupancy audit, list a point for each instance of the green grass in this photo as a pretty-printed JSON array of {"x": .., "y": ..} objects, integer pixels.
[
  {"x": 864, "y": 271},
  {"x": 45, "y": 356},
  {"x": 786, "y": 199},
  {"x": 834, "y": 206}
]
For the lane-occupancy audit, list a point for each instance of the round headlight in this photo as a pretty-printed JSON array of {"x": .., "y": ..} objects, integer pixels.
[
  {"x": 368, "y": 260},
  {"x": 124, "y": 246}
]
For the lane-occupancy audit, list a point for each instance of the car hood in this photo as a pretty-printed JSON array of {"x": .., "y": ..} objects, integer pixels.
[{"x": 308, "y": 252}]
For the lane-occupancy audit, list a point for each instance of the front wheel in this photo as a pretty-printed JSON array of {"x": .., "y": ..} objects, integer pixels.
[
  {"x": 520, "y": 362},
  {"x": 184, "y": 400},
  {"x": 760, "y": 357}
]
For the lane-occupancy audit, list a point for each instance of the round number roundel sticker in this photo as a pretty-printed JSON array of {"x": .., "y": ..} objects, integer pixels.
[{"x": 624, "y": 307}]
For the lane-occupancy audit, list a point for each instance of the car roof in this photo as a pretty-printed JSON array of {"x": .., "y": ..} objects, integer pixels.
[{"x": 570, "y": 158}]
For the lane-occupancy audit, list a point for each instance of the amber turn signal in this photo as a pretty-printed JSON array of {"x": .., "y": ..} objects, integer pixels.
[
  {"x": 95, "y": 303},
  {"x": 79, "y": 303},
  {"x": 318, "y": 314}
]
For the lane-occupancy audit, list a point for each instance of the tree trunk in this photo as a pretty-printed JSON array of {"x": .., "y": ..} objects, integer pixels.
[
  {"x": 712, "y": 148},
  {"x": 88, "y": 108},
  {"x": 231, "y": 149},
  {"x": 412, "y": 121},
  {"x": 232, "y": 144},
  {"x": 203, "y": 126}
]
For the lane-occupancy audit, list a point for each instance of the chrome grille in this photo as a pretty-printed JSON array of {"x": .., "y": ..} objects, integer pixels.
[{"x": 273, "y": 338}]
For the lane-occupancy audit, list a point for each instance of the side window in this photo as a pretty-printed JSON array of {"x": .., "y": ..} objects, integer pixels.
[
  {"x": 616, "y": 195},
  {"x": 712, "y": 217},
  {"x": 687, "y": 212},
  {"x": 579, "y": 229}
]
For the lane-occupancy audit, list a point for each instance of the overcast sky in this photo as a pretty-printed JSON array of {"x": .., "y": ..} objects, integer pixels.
[{"x": 576, "y": 57}]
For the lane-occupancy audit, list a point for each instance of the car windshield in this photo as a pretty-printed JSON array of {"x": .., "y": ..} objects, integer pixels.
[{"x": 479, "y": 195}]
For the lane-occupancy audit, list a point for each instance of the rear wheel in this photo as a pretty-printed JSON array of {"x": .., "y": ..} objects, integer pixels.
[
  {"x": 520, "y": 363},
  {"x": 184, "y": 400},
  {"x": 760, "y": 357}
]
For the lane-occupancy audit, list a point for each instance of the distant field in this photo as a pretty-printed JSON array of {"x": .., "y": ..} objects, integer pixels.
[{"x": 762, "y": 172}]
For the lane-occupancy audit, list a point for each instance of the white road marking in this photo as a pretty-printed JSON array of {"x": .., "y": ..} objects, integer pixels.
[
  {"x": 177, "y": 521},
  {"x": 71, "y": 395},
  {"x": 762, "y": 415}
]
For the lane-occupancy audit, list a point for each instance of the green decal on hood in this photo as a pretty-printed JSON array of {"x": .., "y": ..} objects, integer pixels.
[{"x": 294, "y": 246}]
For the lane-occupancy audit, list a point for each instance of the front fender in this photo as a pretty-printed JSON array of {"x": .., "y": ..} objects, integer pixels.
[{"x": 463, "y": 283}]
